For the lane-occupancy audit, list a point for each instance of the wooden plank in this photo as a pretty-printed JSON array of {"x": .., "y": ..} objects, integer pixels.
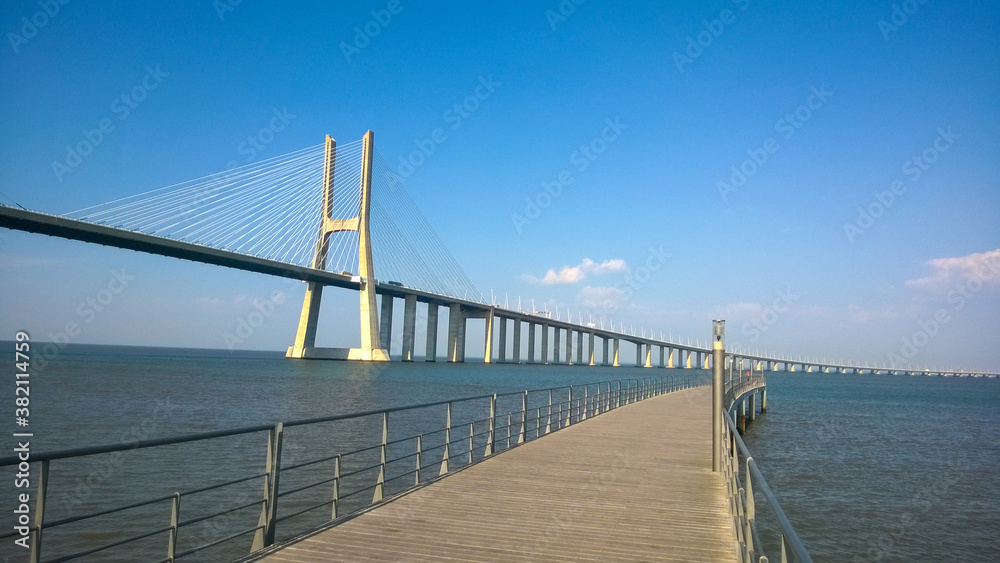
[{"x": 633, "y": 484}]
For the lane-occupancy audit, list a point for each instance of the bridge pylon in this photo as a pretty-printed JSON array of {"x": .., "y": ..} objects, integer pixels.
[{"x": 305, "y": 336}]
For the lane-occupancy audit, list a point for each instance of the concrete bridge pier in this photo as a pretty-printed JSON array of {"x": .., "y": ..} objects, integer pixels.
[
  {"x": 545, "y": 343},
  {"x": 663, "y": 356},
  {"x": 649, "y": 356},
  {"x": 689, "y": 354},
  {"x": 579, "y": 348},
  {"x": 517, "y": 341},
  {"x": 432, "y": 332},
  {"x": 615, "y": 346},
  {"x": 671, "y": 359},
  {"x": 556, "y": 348},
  {"x": 409, "y": 326},
  {"x": 590, "y": 350},
  {"x": 385, "y": 336},
  {"x": 605, "y": 343},
  {"x": 531, "y": 342},
  {"x": 502, "y": 342},
  {"x": 741, "y": 416},
  {"x": 455, "y": 322}
]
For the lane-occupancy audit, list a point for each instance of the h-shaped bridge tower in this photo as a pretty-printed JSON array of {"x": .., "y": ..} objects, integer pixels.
[{"x": 305, "y": 335}]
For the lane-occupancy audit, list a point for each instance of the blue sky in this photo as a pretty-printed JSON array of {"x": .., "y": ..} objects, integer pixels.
[{"x": 833, "y": 99}]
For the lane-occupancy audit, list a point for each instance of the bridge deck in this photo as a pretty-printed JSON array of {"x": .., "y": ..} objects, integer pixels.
[{"x": 632, "y": 484}]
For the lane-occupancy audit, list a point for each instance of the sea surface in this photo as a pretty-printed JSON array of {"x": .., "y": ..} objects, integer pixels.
[{"x": 867, "y": 467}]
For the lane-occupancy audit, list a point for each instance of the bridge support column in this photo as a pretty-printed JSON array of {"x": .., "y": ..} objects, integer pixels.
[
  {"x": 741, "y": 416},
  {"x": 662, "y": 356},
  {"x": 370, "y": 349},
  {"x": 502, "y": 343},
  {"x": 545, "y": 343},
  {"x": 670, "y": 358},
  {"x": 649, "y": 356},
  {"x": 454, "y": 322},
  {"x": 517, "y": 341},
  {"x": 556, "y": 348},
  {"x": 615, "y": 346},
  {"x": 638, "y": 354},
  {"x": 579, "y": 348},
  {"x": 605, "y": 345},
  {"x": 569, "y": 346},
  {"x": 430, "y": 354},
  {"x": 488, "y": 354},
  {"x": 590, "y": 350},
  {"x": 689, "y": 355},
  {"x": 409, "y": 326},
  {"x": 531, "y": 342},
  {"x": 385, "y": 338}
]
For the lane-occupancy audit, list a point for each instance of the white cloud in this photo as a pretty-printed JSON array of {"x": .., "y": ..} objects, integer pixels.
[
  {"x": 601, "y": 296},
  {"x": 943, "y": 271},
  {"x": 578, "y": 273}
]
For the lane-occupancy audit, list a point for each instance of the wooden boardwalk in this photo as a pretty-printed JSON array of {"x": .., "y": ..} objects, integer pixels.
[{"x": 634, "y": 484}]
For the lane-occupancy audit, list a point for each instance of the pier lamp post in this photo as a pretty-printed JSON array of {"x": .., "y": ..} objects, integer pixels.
[{"x": 718, "y": 365}]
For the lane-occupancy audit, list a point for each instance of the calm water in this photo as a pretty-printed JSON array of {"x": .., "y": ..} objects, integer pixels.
[{"x": 867, "y": 467}]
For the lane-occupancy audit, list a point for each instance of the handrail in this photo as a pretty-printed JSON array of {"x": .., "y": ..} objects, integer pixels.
[
  {"x": 464, "y": 442},
  {"x": 742, "y": 501}
]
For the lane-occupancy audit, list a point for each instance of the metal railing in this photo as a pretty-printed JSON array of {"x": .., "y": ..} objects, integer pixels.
[
  {"x": 350, "y": 478},
  {"x": 742, "y": 503}
]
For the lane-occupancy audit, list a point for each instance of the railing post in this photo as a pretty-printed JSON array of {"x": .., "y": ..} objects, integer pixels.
[
  {"x": 548, "y": 417},
  {"x": 586, "y": 403},
  {"x": 43, "y": 486},
  {"x": 618, "y": 395},
  {"x": 569, "y": 408},
  {"x": 175, "y": 509},
  {"x": 524, "y": 417},
  {"x": 491, "y": 437},
  {"x": 269, "y": 512},
  {"x": 336, "y": 487},
  {"x": 447, "y": 442},
  {"x": 380, "y": 481},
  {"x": 508, "y": 430},
  {"x": 472, "y": 439},
  {"x": 416, "y": 474}
]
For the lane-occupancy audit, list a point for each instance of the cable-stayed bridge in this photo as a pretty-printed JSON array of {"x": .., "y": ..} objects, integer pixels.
[{"x": 337, "y": 215}]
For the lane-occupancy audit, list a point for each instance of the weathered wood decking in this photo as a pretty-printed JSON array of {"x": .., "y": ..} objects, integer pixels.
[{"x": 634, "y": 484}]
